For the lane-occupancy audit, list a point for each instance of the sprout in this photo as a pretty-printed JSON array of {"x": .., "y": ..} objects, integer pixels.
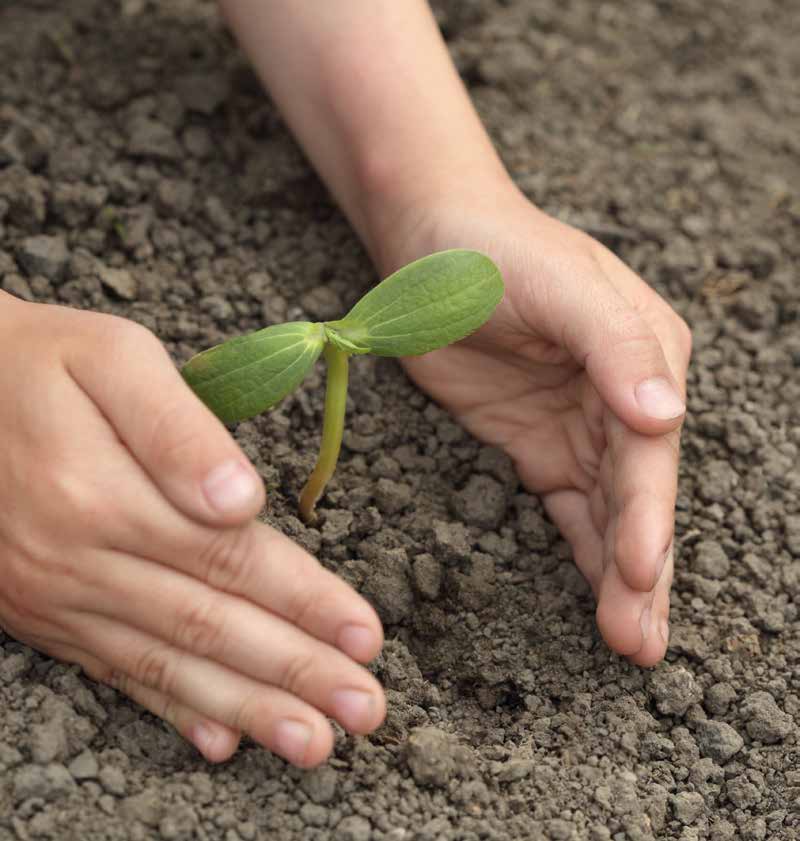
[{"x": 424, "y": 306}]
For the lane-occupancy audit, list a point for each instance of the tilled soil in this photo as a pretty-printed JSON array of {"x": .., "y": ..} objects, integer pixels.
[{"x": 143, "y": 172}]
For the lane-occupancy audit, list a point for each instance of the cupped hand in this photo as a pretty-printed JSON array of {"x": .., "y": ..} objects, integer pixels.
[
  {"x": 580, "y": 376},
  {"x": 128, "y": 545}
]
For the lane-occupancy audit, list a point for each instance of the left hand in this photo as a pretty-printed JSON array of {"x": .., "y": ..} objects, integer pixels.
[{"x": 580, "y": 377}]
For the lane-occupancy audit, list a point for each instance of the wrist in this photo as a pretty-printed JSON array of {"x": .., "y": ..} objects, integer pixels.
[{"x": 407, "y": 217}]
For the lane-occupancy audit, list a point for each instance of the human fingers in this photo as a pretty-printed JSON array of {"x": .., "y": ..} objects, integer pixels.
[
  {"x": 254, "y": 562},
  {"x": 273, "y": 717},
  {"x": 215, "y": 741},
  {"x": 113, "y": 502},
  {"x": 632, "y": 622},
  {"x": 185, "y": 450},
  {"x": 619, "y": 613},
  {"x": 633, "y": 600},
  {"x": 654, "y": 645},
  {"x": 672, "y": 331},
  {"x": 622, "y": 353},
  {"x": 641, "y": 486},
  {"x": 184, "y": 614},
  {"x": 263, "y": 566}
]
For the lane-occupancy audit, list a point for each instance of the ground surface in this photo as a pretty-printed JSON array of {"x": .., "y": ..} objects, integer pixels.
[{"x": 133, "y": 131}]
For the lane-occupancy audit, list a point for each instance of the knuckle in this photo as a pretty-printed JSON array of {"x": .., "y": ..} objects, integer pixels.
[
  {"x": 631, "y": 329},
  {"x": 152, "y": 669},
  {"x": 635, "y": 339},
  {"x": 112, "y": 677},
  {"x": 40, "y": 581},
  {"x": 80, "y": 499},
  {"x": 200, "y": 629},
  {"x": 173, "y": 433},
  {"x": 167, "y": 710},
  {"x": 252, "y": 713},
  {"x": 22, "y": 613},
  {"x": 123, "y": 331},
  {"x": 21, "y": 580},
  {"x": 297, "y": 672},
  {"x": 226, "y": 559},
  {"x": 304, "y": 601},
  {"x": 668, "y": 323}
]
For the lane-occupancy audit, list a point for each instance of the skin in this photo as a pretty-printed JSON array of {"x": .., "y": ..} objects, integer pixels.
[
  {"x": 118, "y": 551},
  {"x": 558, "y": 395},
  {"x": 564, "y": 375},
  {"x": 127, "y": 538}
]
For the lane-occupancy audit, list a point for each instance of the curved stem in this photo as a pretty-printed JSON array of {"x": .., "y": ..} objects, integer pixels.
[{"x": 332, "y": 429}]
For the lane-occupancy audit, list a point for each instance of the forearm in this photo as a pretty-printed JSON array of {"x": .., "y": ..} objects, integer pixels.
[{"x": 368, "y": 88}]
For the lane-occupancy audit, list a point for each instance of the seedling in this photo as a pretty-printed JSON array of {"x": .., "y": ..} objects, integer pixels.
[{"x": 426, "y": 305}]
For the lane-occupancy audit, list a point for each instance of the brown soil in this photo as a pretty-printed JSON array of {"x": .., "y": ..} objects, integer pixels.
[{"x": 133, "y": 134}]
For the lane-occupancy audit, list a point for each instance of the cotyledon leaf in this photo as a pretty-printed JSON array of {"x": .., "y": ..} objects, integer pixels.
[
  {"x": 246, "y": 375},
  {"x": 423, "y": 306}
]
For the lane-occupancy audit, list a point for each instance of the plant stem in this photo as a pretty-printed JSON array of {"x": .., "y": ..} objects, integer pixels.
[{"x": 332, "y": 428}]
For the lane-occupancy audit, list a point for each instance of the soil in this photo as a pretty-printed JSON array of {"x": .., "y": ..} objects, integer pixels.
[{"x": 144, "y": 173}]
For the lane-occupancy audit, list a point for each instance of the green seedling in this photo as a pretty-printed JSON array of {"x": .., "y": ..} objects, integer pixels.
[{"x": 426, "y": 305}]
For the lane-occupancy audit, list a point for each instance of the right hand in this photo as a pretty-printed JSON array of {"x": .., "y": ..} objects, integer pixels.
[{"x": 128, "y": 545}]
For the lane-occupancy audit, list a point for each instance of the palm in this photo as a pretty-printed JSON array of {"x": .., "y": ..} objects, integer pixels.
[
  {"x": 533, "y": 401},
  {"x": 550, "y": 379},
  {"x": 532, "y": 407}
]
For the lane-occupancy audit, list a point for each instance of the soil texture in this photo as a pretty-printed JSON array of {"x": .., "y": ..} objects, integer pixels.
[{"x": 144, "y": 173}]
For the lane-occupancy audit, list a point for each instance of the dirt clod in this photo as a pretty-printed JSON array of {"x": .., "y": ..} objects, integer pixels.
[
  {"x": 50, "y": 782},
  {"x": 711, "y": 560},
  {"x": 427, "y": 576},
  {"x": 320, "y": 785},
  {"x": 48, "y": 741},
  {"x": 390, "y": 592},
  {"x": 119, "y": 281},
  {"x": 674, "y": 690},
  {"x": 429, "y": 755},
  {"x": 43, "y": 255},
  {"x": 84, "y": 766},
  {"x": 766, "y": 722},
  {"x": 719, "y": 697},
  {"x": 451, "y": 541},
  {"x": 392, "y": 497},
  {"x": 150, "y": 138},
  {"x": 686, "y": 806},
  {"x": 482, "y": 503},
  {"x": 353, "y": 828},
  {"x": 718, "y": 740},
  {"x": 112, "y": 779}
]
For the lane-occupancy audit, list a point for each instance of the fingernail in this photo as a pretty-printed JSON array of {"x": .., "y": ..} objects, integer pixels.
[
  {"x": 657, "y": 397},
  {"x": 230, "y": 486},
  {"x": 644, "y": 623},
  {"x": 663, "y": 629},
  {"x": 354, "y": 708},
  {"x": 203, "y": 738},
  {"x": 357, "y": 642},
  {"x": 292, "y": 739}
]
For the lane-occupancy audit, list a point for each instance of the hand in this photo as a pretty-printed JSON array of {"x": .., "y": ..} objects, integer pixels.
[
  {"x": 128, "y": 545},
  {"x": 580, "y": 377}
]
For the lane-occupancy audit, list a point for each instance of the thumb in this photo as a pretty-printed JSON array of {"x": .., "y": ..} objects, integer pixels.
[
  {"x": 625, "y": 360},
  {"x": 182, "y": 446}
]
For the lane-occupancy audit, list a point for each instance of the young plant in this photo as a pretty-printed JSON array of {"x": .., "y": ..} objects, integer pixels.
[{"x": 426, "y": 305}]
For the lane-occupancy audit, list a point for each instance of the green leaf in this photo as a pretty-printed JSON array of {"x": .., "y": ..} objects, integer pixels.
[
  {"x": 241, "y": 378},
  {"x": 426, "y": 305}
]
